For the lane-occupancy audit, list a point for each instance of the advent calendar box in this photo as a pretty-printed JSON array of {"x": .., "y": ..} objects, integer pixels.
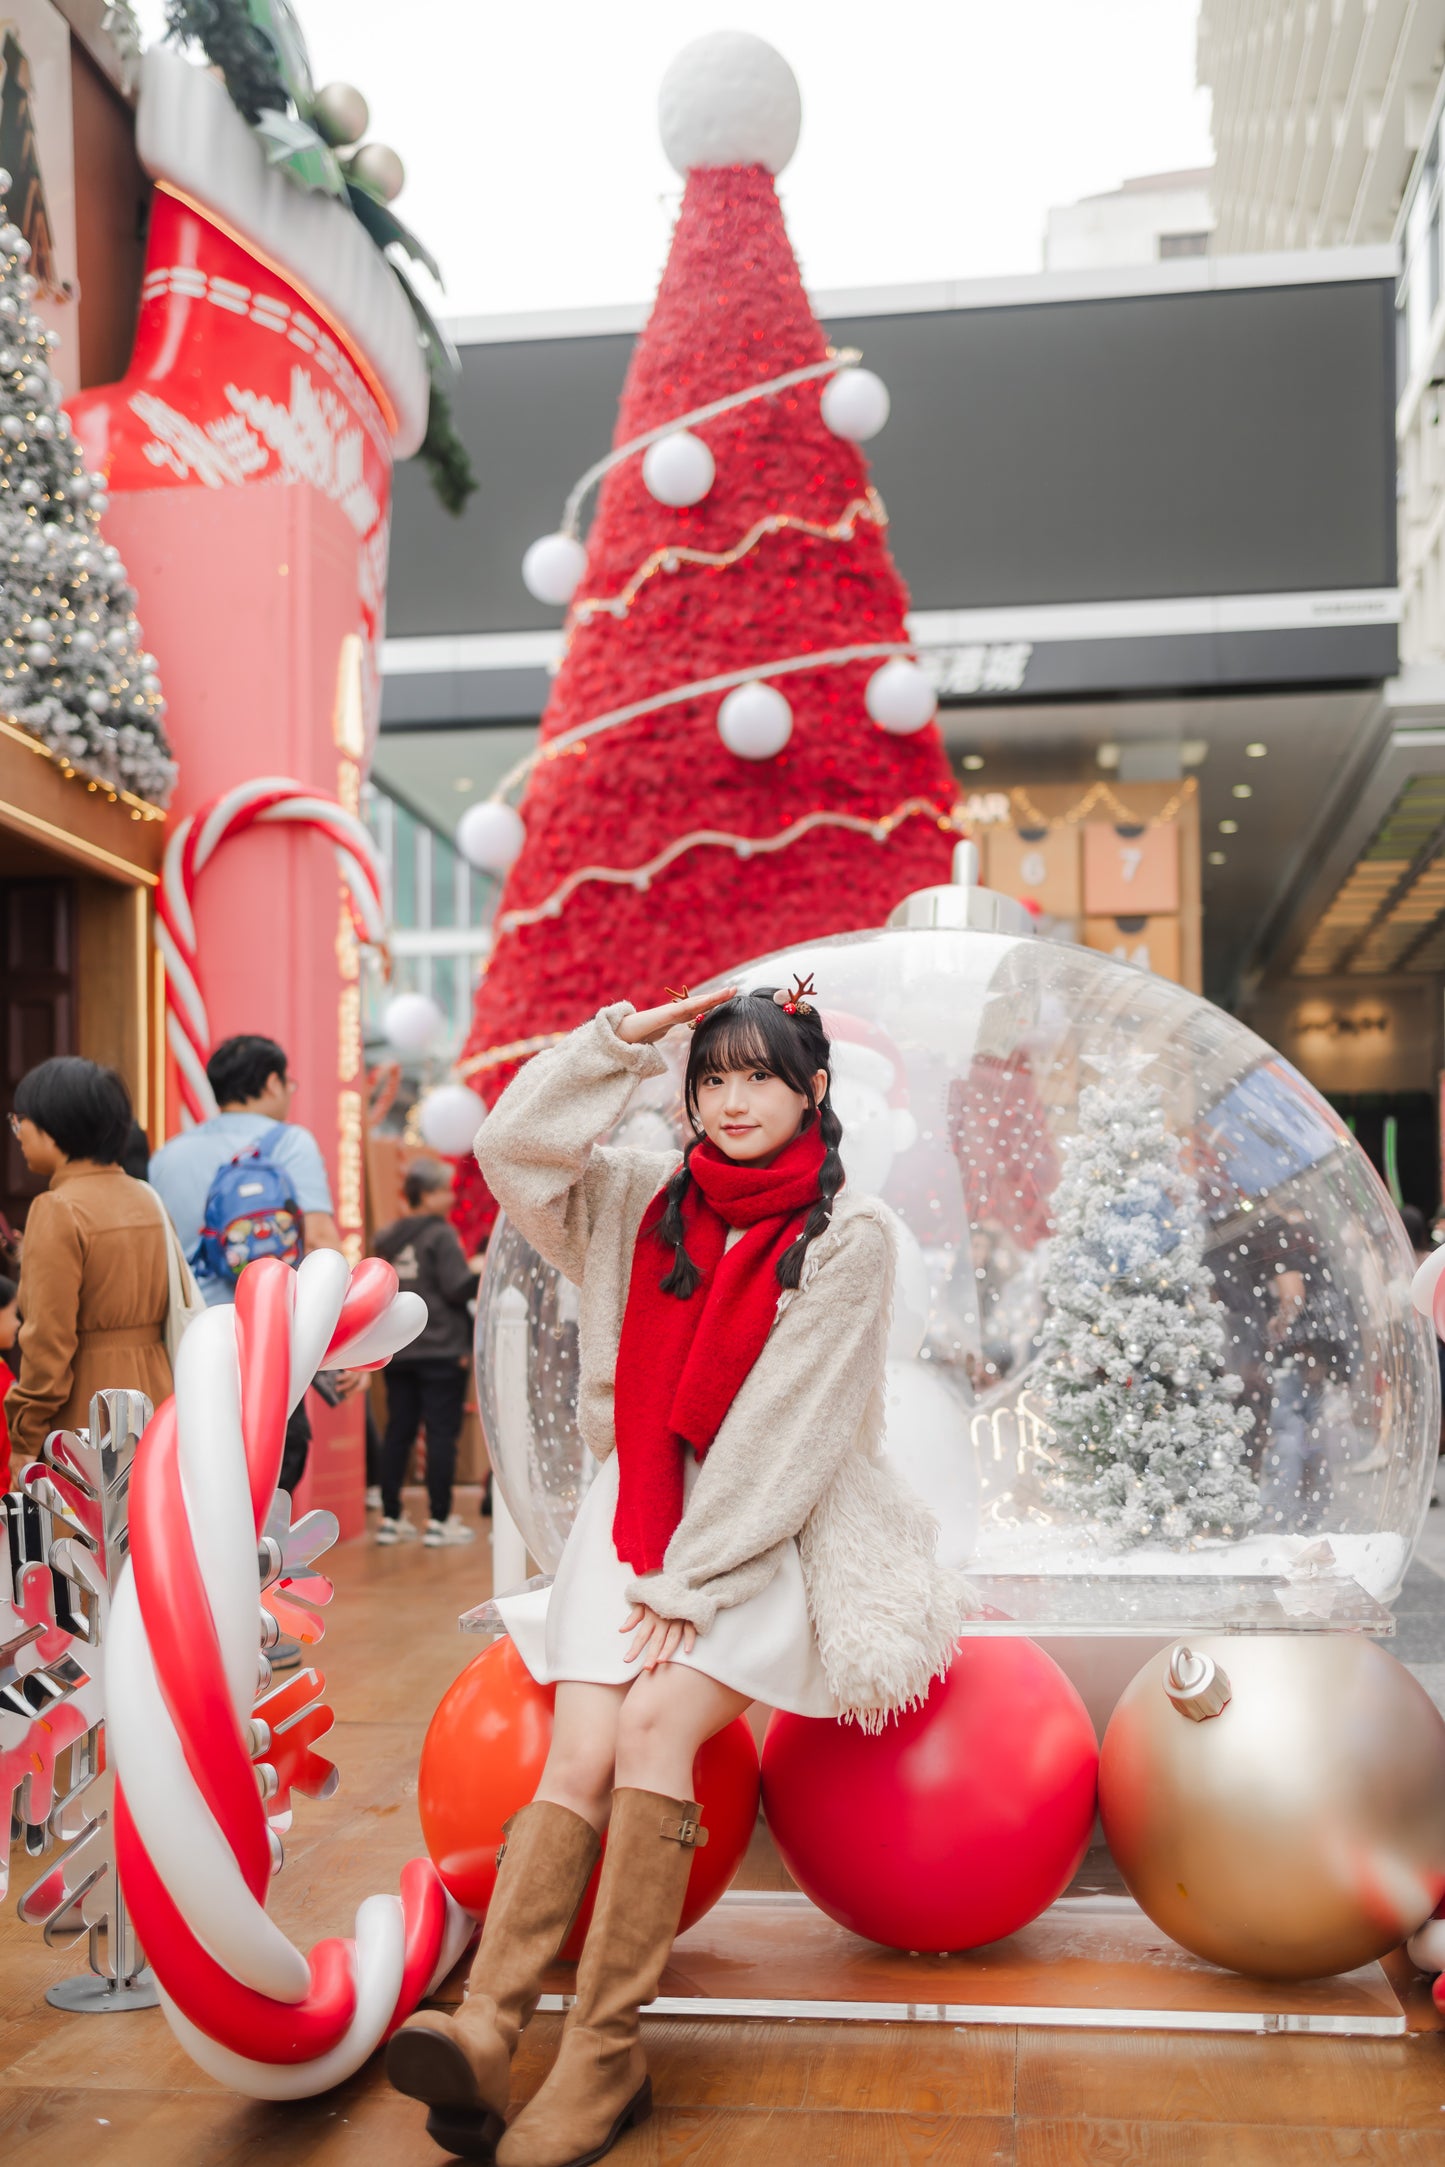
[{"x": 1150, "y": 942}]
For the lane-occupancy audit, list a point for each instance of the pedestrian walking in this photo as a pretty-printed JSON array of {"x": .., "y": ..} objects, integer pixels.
[
  {"x": 426, "y": 1383},
  {"x": 249, "y": 1182},
  {"x": 94, "y": 1285}
]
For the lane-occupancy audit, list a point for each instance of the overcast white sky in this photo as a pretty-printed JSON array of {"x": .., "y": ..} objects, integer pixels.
[{"x": 936, "y": 133}]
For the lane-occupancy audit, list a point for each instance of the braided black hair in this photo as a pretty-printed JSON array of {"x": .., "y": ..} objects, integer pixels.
[{"x": 753, "y": 1031}]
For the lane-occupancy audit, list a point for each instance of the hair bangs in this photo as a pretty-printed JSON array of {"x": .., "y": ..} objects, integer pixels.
[{"x": 733, "y": 1037}]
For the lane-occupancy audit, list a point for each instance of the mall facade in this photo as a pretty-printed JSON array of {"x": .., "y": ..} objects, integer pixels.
[{"x": 1147, "y": 518}]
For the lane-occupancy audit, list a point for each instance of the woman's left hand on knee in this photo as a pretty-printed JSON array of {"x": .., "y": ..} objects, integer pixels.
[{"x": 656, "y": 1639}]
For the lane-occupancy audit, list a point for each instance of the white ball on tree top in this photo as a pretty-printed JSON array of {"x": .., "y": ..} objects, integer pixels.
[
  {"x": 411, "y": 1022},
  {"x": 450, "y": 1117},
  {"x": 678, "y": 469},
  {"x": 855, "y": 404},
  {"x": 900, "y": 697},
  {"x": 729, "y": 99},
  {"x": 755, "y": 722},
  {"x": 552, "y": 568},
  {"x": 490, "y": 836}
]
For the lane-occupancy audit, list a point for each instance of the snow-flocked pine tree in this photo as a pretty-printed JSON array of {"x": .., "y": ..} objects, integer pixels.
[
  {"x": 1148, "y": 1440},
  {"x": 72, "y": 671}
]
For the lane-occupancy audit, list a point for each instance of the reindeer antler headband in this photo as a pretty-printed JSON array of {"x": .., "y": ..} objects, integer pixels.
[{"x": 795, "y": 1003}]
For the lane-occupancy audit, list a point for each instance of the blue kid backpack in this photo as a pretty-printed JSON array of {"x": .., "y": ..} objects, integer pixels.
[{"x": 251, "y": 1211}]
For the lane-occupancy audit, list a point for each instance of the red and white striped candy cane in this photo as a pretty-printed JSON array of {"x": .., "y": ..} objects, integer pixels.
[
  {"x": 192, "y": 1842},
  {"x": 192, "y": 845}
]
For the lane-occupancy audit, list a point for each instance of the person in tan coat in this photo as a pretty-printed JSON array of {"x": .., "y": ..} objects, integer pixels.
[{"x": 94, "y": 1291}]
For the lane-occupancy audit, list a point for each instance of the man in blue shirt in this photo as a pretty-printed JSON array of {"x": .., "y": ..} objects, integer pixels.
[{"x": 254, "y": 1094}]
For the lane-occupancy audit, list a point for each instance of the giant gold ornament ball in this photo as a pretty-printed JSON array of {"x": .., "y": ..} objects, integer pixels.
[{"x": 1299, "y": 1833}]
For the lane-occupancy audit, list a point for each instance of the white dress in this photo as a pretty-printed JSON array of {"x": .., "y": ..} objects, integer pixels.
[{"x": 764, "y": 1647}]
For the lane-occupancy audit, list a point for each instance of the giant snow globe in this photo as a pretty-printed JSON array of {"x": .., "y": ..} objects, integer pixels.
[{"x": 1153, "y": 1361}]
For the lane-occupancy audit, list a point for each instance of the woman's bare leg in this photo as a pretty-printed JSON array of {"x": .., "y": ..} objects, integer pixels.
[
  {"x": 666, "y": 1715},
  {"x": 580, "y": 1764}
]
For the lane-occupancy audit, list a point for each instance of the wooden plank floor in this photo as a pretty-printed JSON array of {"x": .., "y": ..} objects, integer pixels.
[{"x": 117, "y": 2092}]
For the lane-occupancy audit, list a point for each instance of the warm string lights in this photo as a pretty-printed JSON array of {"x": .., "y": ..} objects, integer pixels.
[
  {"x": 1027, "y": 815},
  {"x": 138, "y": 808},
  {"x": 742, "y": 846},
  {"x": 676, "y": 696},
  {"x": 673, "y": 556},
  {"x": 72, "y": 670},
  {"x": 847, "y": 357}
]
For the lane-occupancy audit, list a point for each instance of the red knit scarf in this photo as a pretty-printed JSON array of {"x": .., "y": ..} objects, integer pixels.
[{"x": 680, "y": 1364}]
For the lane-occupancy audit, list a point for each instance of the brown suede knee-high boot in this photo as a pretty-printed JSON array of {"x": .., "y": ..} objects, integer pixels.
[
  {"x": 599, "y": 2086},
  {"x": 461, "y": 2065}
]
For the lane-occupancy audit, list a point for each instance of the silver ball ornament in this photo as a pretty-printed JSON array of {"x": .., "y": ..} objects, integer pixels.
[
  {"x": 7, "y": 181},
  {"x": 33, "y": 386},
  {"x": 43, "y": 428},
  {"x": 377, "y": 166},
  {"x": 1294, "y": 1827},
  {"x": 98, "y": 702},
  {"x": 340, "y": 114},
  {"x": 12, "y": 427},
  {"x": 116, "y": 642},
  {"x": 38, "y": 655}
]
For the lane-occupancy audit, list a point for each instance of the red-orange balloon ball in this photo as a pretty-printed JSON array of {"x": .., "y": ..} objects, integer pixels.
[
  {"x": 956, "y": 1825},
  {"x": 482, "y": 1757}
]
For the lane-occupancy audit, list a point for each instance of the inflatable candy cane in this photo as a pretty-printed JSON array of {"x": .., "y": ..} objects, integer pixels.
[
  {"x": 192, "y": 845},
  {"x": 192, "y": 1842}
]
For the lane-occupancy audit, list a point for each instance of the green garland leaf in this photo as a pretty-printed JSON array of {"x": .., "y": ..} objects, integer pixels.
[
  {"x": 233, "y": 43},
  {"x": 260, "y": 51}
]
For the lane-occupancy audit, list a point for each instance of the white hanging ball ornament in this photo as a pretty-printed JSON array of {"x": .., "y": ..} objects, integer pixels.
[
  {"x": 900, "y": 697},
  {"x": 450, "y": 1117},
  {"x": 379, "y": 167},
  {"x": 552, "y": 568},
  {"x": 678, "y": 469},
  {"x": 411, "y": 1022},
  {"x": 729, "y": 99},
  {"x": 490, "y": 835},
  {"x": 755, "y": 722},
  {"x": 340, "y": 114},
  {"x": 855, "y": 404}
]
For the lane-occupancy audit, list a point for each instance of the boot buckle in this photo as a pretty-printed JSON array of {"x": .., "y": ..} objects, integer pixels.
[{"x": 688, "y": 1831}]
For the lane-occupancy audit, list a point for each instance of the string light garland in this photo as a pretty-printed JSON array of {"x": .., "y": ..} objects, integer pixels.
[
  {"x": 139, "y": 808},
  {"x": 673, "y": 555},
  {"x": 1028, "y": 814},
  {"x": 519, "y": 1049},
  {"x": 744, "y": 846},
  {"x": 826, "y": 659},
  {"x": 844, "y": 358}
]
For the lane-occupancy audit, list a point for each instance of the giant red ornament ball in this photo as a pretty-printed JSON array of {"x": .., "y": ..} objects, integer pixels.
[
  {"x": 956, "y": 1824},
  {"x": 483, "y": 1756}
]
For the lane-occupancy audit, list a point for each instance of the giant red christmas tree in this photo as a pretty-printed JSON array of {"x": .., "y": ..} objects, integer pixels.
[{"x": 653, "y": 854}]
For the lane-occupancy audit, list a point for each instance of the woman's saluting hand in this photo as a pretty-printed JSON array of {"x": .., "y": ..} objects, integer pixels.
[{"x": 649, "y": 1024}]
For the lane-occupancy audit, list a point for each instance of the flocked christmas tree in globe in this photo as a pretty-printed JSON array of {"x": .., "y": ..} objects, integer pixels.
[
  {"x": 72, "y": 670},
  {"x": 1148, "y": 1439},
  {"x": 740, "y": 747}
]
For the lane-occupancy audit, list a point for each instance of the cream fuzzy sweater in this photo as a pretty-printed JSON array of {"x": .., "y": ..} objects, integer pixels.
[{"x": 798, "y": 1455}]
